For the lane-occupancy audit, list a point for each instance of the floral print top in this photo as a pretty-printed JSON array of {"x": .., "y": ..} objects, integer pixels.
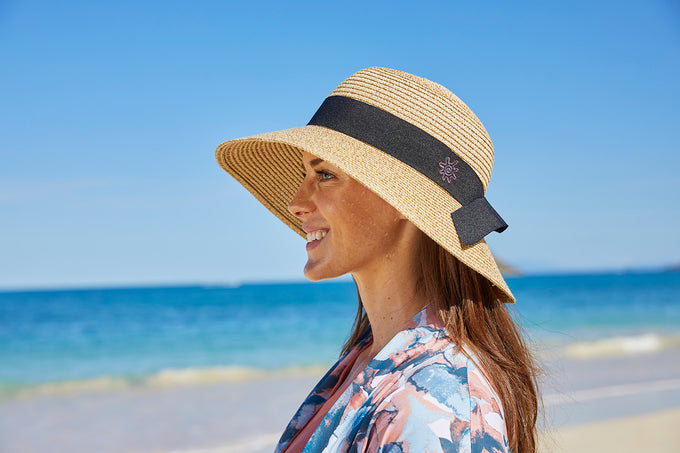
[{"x": 419, "y": 394}]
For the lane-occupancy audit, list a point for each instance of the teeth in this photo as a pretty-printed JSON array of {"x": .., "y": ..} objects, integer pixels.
[{"x": 315, "y": 236}]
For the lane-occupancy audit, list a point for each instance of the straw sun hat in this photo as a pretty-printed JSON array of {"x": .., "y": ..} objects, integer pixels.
[{"x": 409, "y": 140}]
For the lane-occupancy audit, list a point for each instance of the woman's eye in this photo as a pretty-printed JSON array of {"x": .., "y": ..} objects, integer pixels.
[{"x": 324, "y": 175}]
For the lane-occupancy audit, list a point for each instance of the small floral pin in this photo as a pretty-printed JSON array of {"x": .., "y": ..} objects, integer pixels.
[{"x": 448, "y": 169}]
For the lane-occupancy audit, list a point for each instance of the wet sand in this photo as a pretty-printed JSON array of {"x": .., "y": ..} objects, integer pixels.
[{"x": 607, "y": 404}]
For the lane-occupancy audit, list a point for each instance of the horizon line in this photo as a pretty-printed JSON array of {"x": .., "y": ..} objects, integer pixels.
[{"x": 341, "y": 279}]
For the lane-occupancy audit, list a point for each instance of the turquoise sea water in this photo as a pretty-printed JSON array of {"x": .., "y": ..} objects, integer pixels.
[{"x": 137, "y": 335}]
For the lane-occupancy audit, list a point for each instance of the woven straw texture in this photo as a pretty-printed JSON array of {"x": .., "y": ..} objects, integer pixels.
[{"x": 268, "y": 165}]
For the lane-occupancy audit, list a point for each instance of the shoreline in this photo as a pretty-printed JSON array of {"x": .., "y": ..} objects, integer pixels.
[
  {"x": 248, "y": 416},
  {"x": 633, "y": 348}
]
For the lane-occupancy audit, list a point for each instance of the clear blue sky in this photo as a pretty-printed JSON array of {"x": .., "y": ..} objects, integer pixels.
[{"x": 111, "y": 111}]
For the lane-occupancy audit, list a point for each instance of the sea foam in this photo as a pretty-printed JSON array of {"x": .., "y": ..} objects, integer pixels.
[
  {"x": 195, "y": 376},
  {"x": 164, "y": 378},
  {"x": 618, "y": 346}
]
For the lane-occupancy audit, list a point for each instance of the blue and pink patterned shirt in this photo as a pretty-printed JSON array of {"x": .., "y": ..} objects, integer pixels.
[{"x": 420, "y": 394}]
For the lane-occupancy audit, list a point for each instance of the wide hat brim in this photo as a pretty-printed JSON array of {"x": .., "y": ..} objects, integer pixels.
[{"x": 269, "y": 166}]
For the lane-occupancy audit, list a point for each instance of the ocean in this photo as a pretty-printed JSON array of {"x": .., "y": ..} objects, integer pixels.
[{"x": 60, "y": 341}]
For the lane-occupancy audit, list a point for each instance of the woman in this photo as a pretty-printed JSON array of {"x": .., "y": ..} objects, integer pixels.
[{"x": 387, "y": 183}]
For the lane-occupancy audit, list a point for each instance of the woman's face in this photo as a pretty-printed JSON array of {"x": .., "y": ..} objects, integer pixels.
[{"x": 349, "y": 228}]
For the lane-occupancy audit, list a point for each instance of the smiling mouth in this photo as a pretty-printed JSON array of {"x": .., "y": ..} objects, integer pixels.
[{"x": 315, "y": 236}]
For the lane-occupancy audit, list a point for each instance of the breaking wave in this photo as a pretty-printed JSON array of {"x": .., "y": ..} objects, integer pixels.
[
  {"x": 163, "y": 378},
  {"x": 620, "y": 346}
]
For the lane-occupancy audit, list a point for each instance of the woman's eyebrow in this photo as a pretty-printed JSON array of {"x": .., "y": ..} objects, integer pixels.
[{"x": 312, "y": 163}]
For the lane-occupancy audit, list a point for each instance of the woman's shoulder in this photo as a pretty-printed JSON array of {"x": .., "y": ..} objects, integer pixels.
[
  {"x": 440, "y": 399},
  {"x": 445, "y": 372}
]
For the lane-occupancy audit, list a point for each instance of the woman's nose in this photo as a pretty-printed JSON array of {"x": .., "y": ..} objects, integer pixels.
[{"x": 301, "y": 205}]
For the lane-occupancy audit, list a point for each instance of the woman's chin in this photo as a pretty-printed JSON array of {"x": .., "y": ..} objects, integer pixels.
[
  {"x": 315, "y": 272},
  {"x": 314, "y": 276}
]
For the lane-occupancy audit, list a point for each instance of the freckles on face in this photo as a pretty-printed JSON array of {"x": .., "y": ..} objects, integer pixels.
[{"x": 367, "y": 221}]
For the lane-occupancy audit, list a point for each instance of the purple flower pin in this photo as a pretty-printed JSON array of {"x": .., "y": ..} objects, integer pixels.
[{"x": 448, "y": 169}]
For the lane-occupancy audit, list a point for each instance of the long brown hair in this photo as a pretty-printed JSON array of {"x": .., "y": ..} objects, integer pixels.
[{"x": 477, "y": 318}]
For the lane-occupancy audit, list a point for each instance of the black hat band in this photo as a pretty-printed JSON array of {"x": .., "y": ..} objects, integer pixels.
[{"x": 422, "y": 152}]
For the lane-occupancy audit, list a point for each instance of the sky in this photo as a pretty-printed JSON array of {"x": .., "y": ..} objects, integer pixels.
[{"x": 110, "y": 113}]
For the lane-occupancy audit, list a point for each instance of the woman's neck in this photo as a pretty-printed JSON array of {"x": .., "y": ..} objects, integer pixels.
[{"x": 390, "y": 294}]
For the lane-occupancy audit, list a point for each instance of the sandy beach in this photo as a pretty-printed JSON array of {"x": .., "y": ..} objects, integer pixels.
[
  {"x": 616, "y": 404},
  {"x": 655, "y": 431}
]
